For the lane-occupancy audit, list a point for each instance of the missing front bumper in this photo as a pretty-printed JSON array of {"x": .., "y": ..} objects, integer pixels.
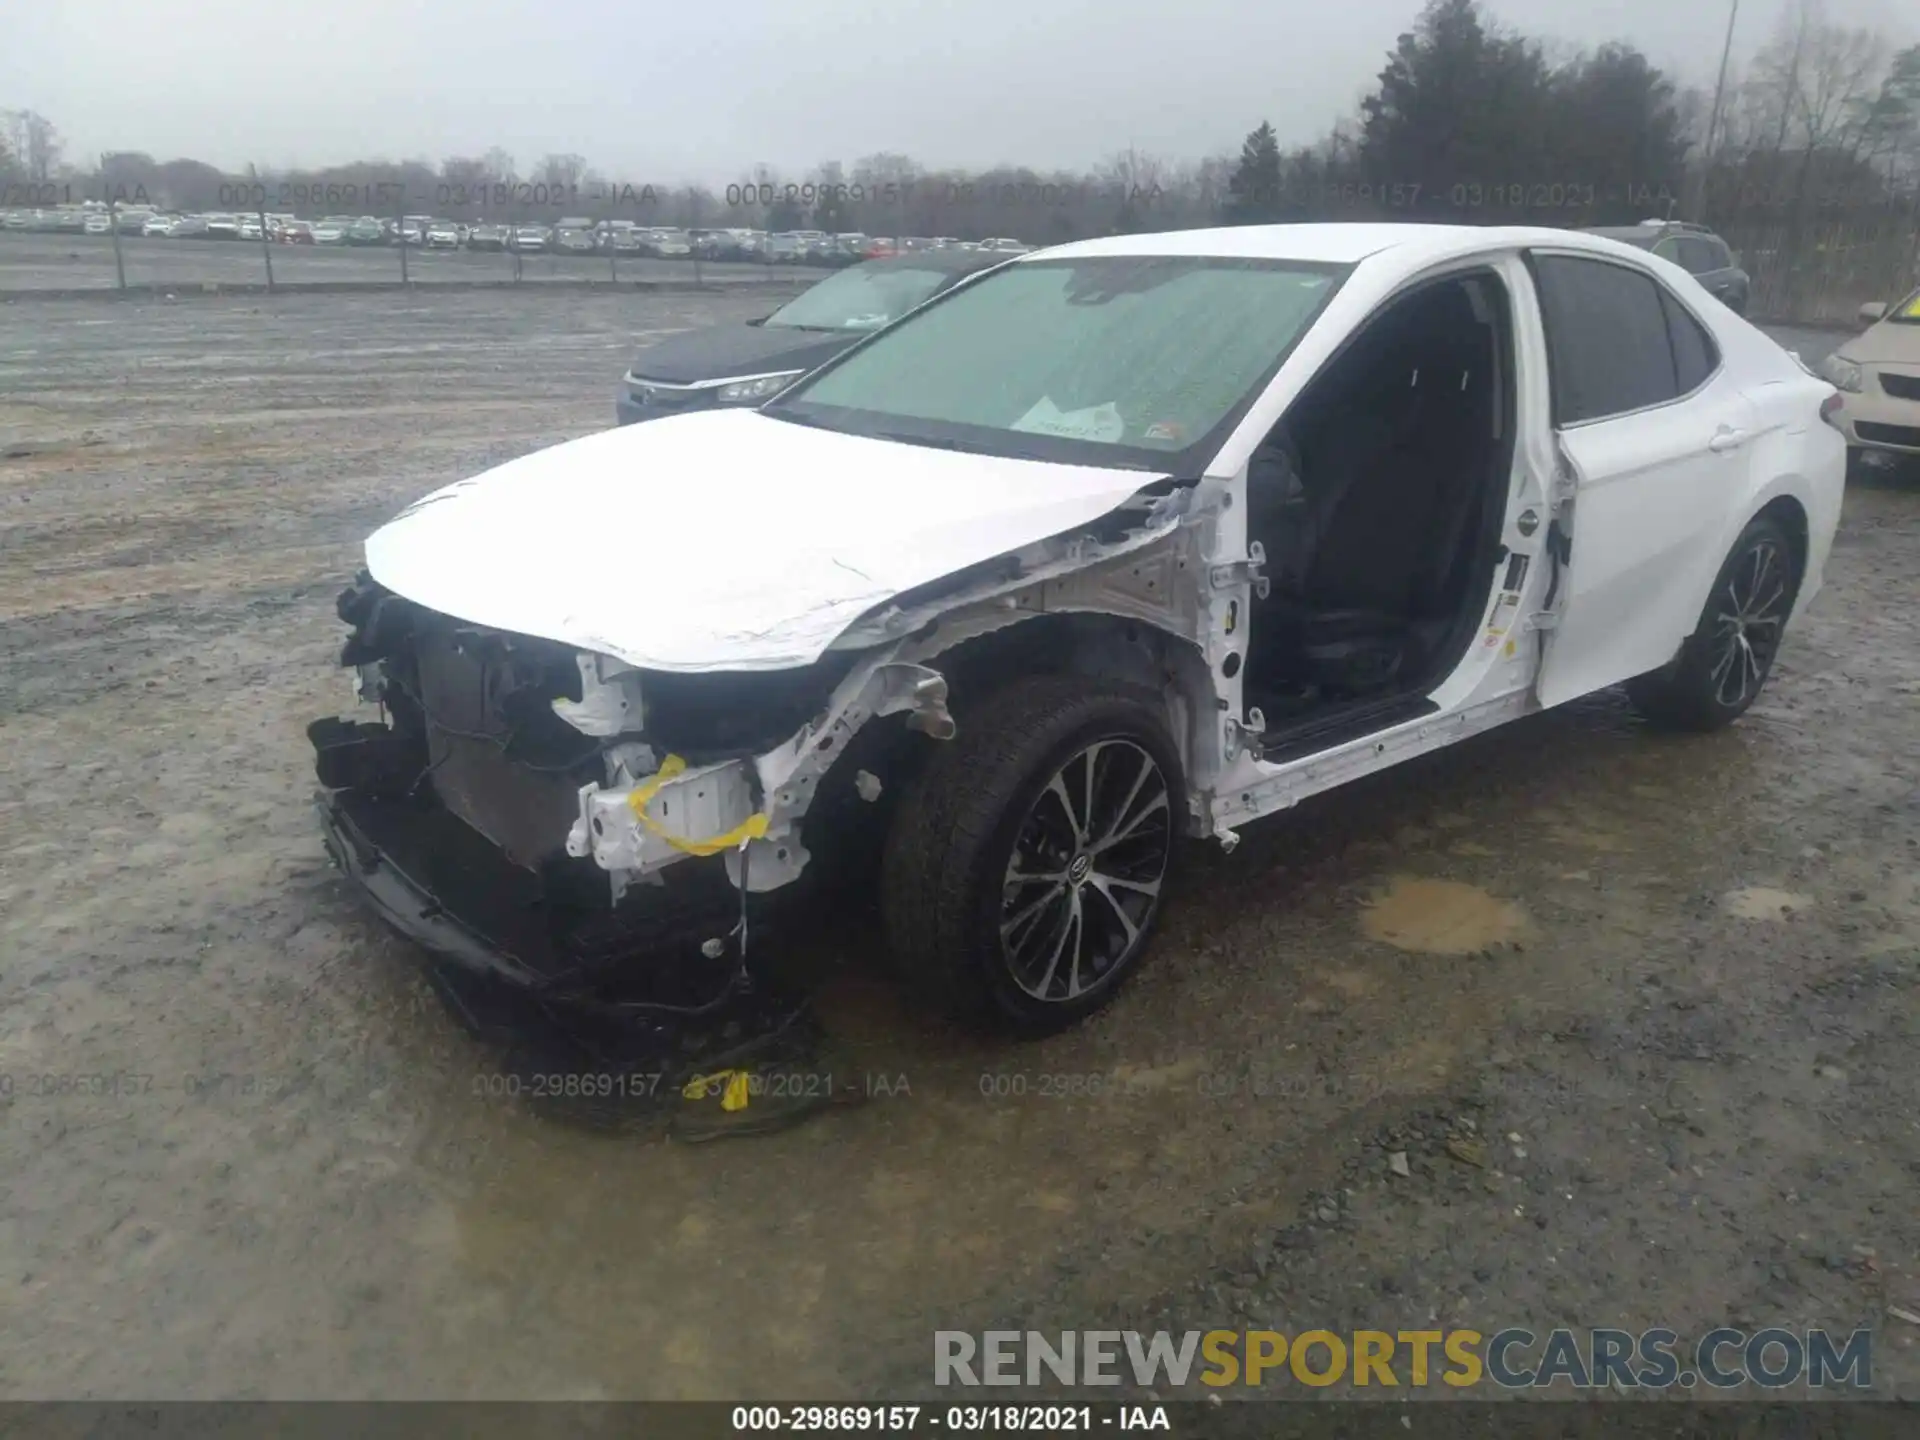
[{"x": 443, "y": 886}]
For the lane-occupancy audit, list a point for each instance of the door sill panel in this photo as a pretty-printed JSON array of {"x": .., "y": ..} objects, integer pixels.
[
  {"x": 1352, "y": 722},
  {"x": 1282, "y": 786}
]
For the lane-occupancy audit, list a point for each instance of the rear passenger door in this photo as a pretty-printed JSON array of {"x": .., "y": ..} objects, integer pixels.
[{"x": 1654, "y": 443}]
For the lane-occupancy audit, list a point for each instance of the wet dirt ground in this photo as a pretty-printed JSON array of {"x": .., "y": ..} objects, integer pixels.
[{"x": 1638, "y": 1012}]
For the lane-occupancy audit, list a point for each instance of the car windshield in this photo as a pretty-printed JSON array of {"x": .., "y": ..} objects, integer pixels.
[
  {"x": 1907, "y": 312},
  {"x": 863, "y": 298},
  {"x": 1101, "y": 360}
]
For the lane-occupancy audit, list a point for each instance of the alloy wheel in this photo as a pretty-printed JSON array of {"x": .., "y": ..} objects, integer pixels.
[
  {"x": 1748, "y": 623},
  {"x": 1084, "y": 879}
]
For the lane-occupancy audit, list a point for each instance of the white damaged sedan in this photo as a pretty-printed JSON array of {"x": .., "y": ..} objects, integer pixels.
[{"x": 1121, "y": 541}]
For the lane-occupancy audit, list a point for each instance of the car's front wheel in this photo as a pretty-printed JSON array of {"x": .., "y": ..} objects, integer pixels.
[
  {"x": 1023, "y": 871},
  {"x": 1721, "y": 667}
]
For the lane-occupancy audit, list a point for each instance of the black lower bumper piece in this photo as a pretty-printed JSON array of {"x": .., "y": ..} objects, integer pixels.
[
  {"x": 567, "y": 1018},
  {"x": 401, "y": 884}
]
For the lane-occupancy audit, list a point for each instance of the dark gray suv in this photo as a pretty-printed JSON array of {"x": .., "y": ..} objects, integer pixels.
[{"x": 1695, "y": 249}]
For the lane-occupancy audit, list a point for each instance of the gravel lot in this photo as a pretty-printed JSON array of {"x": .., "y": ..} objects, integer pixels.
[
  {"x": 1682, "y": 972},
  {"x": 30, "y": 262}
]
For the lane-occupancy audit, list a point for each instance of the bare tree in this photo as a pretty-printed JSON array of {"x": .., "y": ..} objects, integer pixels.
[
  {"x": 561, "y": 172},
  {"x": 34, "y": 142}
]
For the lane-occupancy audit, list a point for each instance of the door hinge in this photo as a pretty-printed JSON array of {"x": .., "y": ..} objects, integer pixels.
[
  {"x": 1244, "y": 734},
  {"x": 1243, "y": 572}
]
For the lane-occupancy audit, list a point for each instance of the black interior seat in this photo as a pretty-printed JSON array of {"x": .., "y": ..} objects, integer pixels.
[{"x": 1383, "y": 468}]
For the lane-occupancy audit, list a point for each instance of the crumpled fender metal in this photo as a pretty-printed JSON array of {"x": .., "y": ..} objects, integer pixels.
[{"x": 693, "y": 807}]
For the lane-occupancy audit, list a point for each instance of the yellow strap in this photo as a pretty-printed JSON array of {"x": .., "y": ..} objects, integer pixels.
[
  {"x": 754, "y": 827},
  {"x": 733, "y": 1087}
]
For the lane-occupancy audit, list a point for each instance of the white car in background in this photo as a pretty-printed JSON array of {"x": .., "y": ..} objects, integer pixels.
[
  {"x": 332, "y": 230},
  {"x": 1122, "y": 541},
  {"x": 1878, "y": 375},
  {"x": 98, "y": 222}
]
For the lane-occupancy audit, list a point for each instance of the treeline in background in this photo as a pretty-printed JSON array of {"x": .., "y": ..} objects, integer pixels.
[{"x": 1807, "y": 159}]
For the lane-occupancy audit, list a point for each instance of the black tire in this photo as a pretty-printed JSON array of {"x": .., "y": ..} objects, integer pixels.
[
  {"x": 985, "y": 800},
  {"x": 1723, "y": 665}
]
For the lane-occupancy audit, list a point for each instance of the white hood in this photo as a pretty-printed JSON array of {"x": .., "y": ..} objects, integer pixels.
[{"x": 722, "y": 540}]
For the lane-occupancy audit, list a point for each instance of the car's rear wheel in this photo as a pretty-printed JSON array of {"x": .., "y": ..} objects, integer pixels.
[
  {"x": 1722, "y": 666},
  {"x": 1023, "y": 872}
]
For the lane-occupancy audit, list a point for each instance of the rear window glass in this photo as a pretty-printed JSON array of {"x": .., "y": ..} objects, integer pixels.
[
  {"x": 1607, "y": 339},
  {"x": 1695, "y": 356}
]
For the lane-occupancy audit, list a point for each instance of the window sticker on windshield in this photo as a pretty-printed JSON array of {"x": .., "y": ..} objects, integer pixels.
[
  {"x": 1167, "y": 430},
  {"x": 1099, "y": 422}
]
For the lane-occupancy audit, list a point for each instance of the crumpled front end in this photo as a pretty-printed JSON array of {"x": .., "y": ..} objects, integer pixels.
[{"x": 545, "y": 814}]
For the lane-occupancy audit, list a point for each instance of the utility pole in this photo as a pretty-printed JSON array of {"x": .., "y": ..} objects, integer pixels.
[
  {"x": 1713, "y": 123},
  {"x": 113, "y": 224}
]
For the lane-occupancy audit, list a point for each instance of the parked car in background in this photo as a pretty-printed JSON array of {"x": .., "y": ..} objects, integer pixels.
[
  {"x": 132, "y": 220},
  {"x": 1004, "y": 245},
  {"x": 366, "y": 231},
  {"x": 1052, "y": 521},
  {"x": 744, "y": 363},
  {"x": 1695, "y": 249},
  {"x": 332, "y": 230},
  {"x": 249, "y": 228},
  {"x": 669, "y": 243},
  {"x": 785, "y": 248},
  {"x": 222, "y": 226},
  {"x": 1878, "y": 376},
  {"x": 159, "y": 227},
  {"x": 488, "y": 236},
  {"x": 576, "y": 239},
  {"x": 621, "y": 237},
  {"x": 189, "y": 227},
  {"x": 98, "y": 223},
  {"x": 443, "y": 235},
  {"x": 529, "y": 239},
  {"x": 297, "y": 232},
  {"x": 846, "y": 249}
]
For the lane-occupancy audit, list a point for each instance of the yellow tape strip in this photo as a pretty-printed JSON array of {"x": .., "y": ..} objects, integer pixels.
[
  {"x": 733, "y": 1087},
  {"x": 754, "y": 827}
]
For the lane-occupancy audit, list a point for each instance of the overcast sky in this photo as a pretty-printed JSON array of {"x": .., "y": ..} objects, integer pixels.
[{"x": 669, "y": 92}]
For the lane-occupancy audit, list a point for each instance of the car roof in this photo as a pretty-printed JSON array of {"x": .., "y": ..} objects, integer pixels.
[{"x": 1328, "y": 243}]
